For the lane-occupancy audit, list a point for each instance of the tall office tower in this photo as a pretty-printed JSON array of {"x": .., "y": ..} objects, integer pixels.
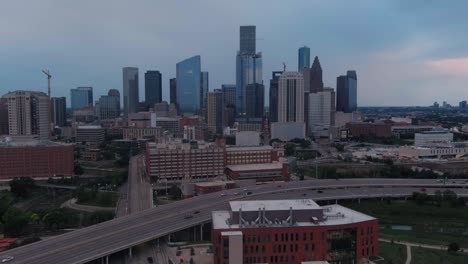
[
  {"x": 254, "y": 100},
  {"x": 153, "y": 88},
  {"x": 114, "y": 92},
  {"x": 3, "y": 116},
  {"x": 188, "y": 85},
  {"x": 303, "y": 58},
  {"x": 59, "y": 111},
  {"x": 247, "y": 39},
  {"x": 248, "y": 67},
  {"x": 173, "y": 91},
  {"x": 215, "y": 111},
  {"x": 28, "y": 114},
  {"x": 291, "y": 97},
  {"x": 313, "y": 77},
  {"x": 81, "y": 97},
  {"x": 130, "y": 90},
  {"x": 204, "y": 87},
  {"x": 273, "y": 108},
  {"x": 346, "y": 92},
  {"x": 229, "y": 94},
  {"x": 321, "y": 112}
]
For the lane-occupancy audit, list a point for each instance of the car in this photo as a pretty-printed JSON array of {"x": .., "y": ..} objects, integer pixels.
[
  {"x": 188, "y": 216},
  {"x": 7, "y": 258},
  {"x": 223, "y": 194},
  {"x": 236, "y": 193},
  {"x": 423, "y": 189},
  {"x": 196, "y": 212},
  {"x": 149, "y": 259},
  {"x": 279, "y": 186},
  {"x": 304, "y": 194},
  {"x": 249, "y": 193},
  {"x": 320, "y": 191}
]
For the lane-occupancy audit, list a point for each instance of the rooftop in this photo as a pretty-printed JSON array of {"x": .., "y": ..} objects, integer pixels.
[
  {"x": 252, "y": 148},
  {"x": 259, "y": 166},
  {"x": 89, "y": 127},
  {"x": 274, "y": 205},
  {"x": 27, "y": 142}
]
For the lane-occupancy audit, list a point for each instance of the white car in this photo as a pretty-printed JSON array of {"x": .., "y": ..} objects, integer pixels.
[{"x": 7, "y": 258}]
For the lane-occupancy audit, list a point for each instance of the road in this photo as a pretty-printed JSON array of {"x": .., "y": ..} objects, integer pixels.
[
  {"x": 138, "y": 194},
  {"x": 121, "y": 233}
]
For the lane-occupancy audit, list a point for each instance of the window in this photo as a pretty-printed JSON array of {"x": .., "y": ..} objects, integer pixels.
[
  {"x": 304, "y": 236},
  {"x": 311, "y": 235},
  {"x": 276, "y": 237}
]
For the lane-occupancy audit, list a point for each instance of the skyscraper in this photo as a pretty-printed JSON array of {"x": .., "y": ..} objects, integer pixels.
[
  {"x": 254, "y": 100},
  {"x": 291, "y": 97},
  {"x": 229, "y": 94},
  {"x": 3, "y": 116},
  {"x": 188, "y": 85},
  {"x": 247, "y": 39},
  {"x": 346, "y": 92},
  {"x": 153, "y": 88},
  {"x": 204, "y": 87},
  {"x": 59, "y": 111},
  {"x": 108, "y": 106},
  {"x": 303, "y": 58},
  {"x": 215, "y": 111},
  {"x": 321, "y": 112},
  {"x": 173, "y": 91},
  {"x": 313, "y": 77},
  {"x": 28, "y": 114},
  {"x": 81, "y": 97},
  {"x": 273, "y": 108},
  {"x": 130, "y": 90},
  {"x": 248, "y": 67}
]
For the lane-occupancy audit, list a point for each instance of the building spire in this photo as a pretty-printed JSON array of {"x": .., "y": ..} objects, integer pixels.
[{"x": 316, "y": 64}]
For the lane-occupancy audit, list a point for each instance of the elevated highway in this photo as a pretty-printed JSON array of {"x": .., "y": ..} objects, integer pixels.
[{"x": 122, "y": 233}]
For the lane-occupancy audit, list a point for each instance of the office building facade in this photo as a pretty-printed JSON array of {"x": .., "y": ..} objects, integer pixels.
[
  {"x": 28, "y": 114},
  {"x": 215, "y": 112},
  {"x": 346, "y": 92},
  {"x": 59, "y": 111},
  {"x": 321, "y": 112},
  {"x": 188, "y": 85},
  {"x": 273, "y": 108},
  {"x": 173, "y": 91},
  {"x": 229, "y": 94},
  {"x": 81, "y": 97},
  {"x": 313, "y": 77},
  {"x": 247, "y": 39},
  {"x": 291, "y": 97},
  {"x": 303, "y": 58},
  {"x": 130, "y": 90},
  {"x": 255, "y": 100},
  {"x": 3, "y": 116},
  {"x": 153, "y": 88},
  {"x": 204, "y": 88},
  {"x": 108, "y": 107}
]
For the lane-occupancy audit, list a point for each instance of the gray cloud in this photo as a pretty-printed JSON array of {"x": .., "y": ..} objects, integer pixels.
[{"x": 86, "y": 42}]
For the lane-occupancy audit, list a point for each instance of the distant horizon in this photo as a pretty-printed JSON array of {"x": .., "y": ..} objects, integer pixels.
[{"x": 405, "y": 53}]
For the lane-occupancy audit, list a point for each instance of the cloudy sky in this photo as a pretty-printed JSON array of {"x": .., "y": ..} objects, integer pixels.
[{"x": 405, "y": 52}]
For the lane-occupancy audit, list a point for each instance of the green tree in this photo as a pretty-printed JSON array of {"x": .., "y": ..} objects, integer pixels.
[
  {"x": 21, "y": 187},
  {"x": 453, "y": 247},
  {"x": 175, "y": 192},
  {"x": 14, "y": 222},
  {"x": 78, "y": 169},
  {"x": 438, "y": 198},
  {"x": 289, "y": 149}
]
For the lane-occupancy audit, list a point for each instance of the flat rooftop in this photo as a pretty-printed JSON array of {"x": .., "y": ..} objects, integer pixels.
[
  {"x": 247, "y": 148},
  {"x": 29, "y": 143},
  {"x": 213, "y": 183},
  {"x": 258, "y": 166},
  {"x": 273, "y": 205},
  {"x": 333, "y": 214}
]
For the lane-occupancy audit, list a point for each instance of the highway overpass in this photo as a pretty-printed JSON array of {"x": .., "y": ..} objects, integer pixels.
[{"x": 122, "y": 233}]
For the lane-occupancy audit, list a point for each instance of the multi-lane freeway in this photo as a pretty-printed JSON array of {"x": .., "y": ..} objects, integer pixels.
[{"x": 100, "y": 240}]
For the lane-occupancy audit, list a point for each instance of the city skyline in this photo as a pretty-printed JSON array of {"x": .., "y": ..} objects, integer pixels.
[{"x": 424, "y": 51}]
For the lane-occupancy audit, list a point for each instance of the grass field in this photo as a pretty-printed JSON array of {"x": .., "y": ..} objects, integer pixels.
[
  {"x": 392, "y": 253},
  {"x": 432, "y": 256},
  {"x": 431, "y": 224}
]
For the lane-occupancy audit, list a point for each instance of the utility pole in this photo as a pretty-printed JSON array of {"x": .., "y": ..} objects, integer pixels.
[{"x": 49, "y": 76}]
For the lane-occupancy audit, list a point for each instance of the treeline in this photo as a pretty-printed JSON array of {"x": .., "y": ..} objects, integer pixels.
[
  {"x": 439, "y": 198},
  {"x": 391, "y": 171}
]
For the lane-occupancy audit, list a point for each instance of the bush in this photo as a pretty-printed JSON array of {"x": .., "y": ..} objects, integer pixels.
[
  {"x": 14, "y": 222},
  {"x": 453, "y": 247},
  {"x": 21, "y": 187}
]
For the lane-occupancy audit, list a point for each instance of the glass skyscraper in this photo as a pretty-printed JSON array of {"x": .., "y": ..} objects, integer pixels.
[
  {"x": 346, "y": 92},
  {"x": 248, "y": 67},
  {"x": 303, "y": 58},
  {"x": 130, "y": 90},
  {"x": 188, "y": 85},
  {"x": 81, "y": 97},
  {"x": 204, "y": 81},
  {"x": 153, "y": 88}
]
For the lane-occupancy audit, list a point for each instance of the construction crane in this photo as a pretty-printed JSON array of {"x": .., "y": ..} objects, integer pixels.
[{"x": 49, "y": 76}]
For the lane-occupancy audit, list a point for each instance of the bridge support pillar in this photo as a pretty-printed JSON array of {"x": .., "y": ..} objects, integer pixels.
[
  {"x": 107, "y": 259},
  {"x": 201, "y": 232},
  {"x": 359, "y": 200},
  {"x": 130, "y": 255},
  {"x": 336, "y": 201}
]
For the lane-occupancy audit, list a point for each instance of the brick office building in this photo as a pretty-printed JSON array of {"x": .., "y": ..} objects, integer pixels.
[
  {"x": 35, "y": 159},
  {"x": 292, "y": 231},
  {"x": 251, "y": 155},
  {"x": 260, "y": 172}
]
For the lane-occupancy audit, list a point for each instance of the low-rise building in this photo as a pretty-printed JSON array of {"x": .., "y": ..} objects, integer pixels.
[
  {"x": 23, "y": 157},
  {"x": 262, "y": 172},
  {"x": 433, "y": 138},
  {"x": 370, "y": 129},
  {"x": 292, "y": 231},
  {"x": 90, "y": 135},
  {"x": 91, "y": 154},
  {"x": 213, "y": 186},
  {"x": 151, "y": 133},
  {"x": 250, "y": 155},
  {"x": 248, "y": 138},
  {"x": 447, "y": 151}
]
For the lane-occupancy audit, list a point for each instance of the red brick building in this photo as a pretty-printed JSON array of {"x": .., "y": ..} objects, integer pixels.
[
  {"x": 370, "y": 129},
  {"x": 35, "y": 160},
  {"x": 292, "y": 231},
  {"x": 260, "y": 172},
  {"x": 251, "y": 155}
]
